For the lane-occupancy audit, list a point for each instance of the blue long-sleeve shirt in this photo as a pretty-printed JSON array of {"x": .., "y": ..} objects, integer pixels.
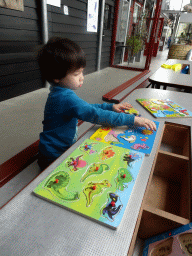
[{"x": 62, "y": 111}]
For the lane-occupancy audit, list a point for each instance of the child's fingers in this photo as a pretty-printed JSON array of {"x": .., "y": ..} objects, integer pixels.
[
  {"x": 151, "y": 125},
  {"x": 147, "y": 126},
  {"x": 127, "y": 105},
  {"x": 154, "y": 126}
]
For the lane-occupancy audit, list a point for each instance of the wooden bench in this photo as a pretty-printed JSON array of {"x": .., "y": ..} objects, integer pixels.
[
  {"x": 21, "y": 119},
  {"x": 23, "y": 159},
  {"x": 122, "y": 91}
]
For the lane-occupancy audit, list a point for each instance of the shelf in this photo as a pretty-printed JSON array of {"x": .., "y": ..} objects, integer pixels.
[
  {"x": 174, "y": 155},
  {"x": 166, "y": 215},
  {"x": 155, "y": 221},
  {"x": 167, "y": 201},
  {"x": 169, "y": 189},
  {"x": 176, "y": 139}
]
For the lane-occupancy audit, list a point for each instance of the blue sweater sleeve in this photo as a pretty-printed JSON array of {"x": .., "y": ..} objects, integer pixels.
[
  {"x": 82, "y": 110},
  {"x": 104, "y": 106}
]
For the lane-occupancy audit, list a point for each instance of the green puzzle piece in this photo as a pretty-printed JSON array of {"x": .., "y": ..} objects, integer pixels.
[
  {"x": 90, "y": 192},
  {"x": 120, "y": 180},
  {"x": 95, "y": 169},
  {"x": 57, "y": 184}
]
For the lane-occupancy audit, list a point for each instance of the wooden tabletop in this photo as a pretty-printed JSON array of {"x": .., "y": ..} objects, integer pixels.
[{"x": 169, "y": 77}]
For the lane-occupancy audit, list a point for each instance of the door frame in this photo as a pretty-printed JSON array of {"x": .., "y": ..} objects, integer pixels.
[{"x": 151, "y": 40}]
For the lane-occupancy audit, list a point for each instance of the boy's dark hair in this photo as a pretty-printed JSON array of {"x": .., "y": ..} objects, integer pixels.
[{"x": 58, "y": 57}]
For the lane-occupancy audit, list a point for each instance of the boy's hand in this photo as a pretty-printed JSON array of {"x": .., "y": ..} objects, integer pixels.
[
  {"x": 122, "y": 106},
  {"x": 144, "y": 122}
]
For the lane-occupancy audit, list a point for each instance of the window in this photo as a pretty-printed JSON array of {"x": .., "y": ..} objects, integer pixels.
[
  {"x": 136, "y": 13},
  {"x": 107, "y": 17}
]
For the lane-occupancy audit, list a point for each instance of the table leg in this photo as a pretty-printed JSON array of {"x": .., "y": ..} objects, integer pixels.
[
  {"x": 157, "y": 86},
  {"x": 187, "y": 90},
  {"x": 164, "y": 87},
  {"x": 149, "y": 85}
]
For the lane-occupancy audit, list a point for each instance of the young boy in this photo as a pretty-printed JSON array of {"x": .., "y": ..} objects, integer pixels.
[{"x": 62, "y": 63}]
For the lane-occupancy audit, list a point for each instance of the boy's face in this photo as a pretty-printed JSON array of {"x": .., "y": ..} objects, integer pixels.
[{"x": 73, "y": 80}]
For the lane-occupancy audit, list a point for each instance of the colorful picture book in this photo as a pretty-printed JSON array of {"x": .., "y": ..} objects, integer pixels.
[
  {"x": 164, "y": 108},
  {"x": 96, "y": 181},
  {"x": 177, "y": 242},
  {"x": 136, "y": 138}
]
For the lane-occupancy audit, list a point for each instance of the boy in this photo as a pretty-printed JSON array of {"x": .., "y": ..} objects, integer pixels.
[{"x": 62, "y": 63}]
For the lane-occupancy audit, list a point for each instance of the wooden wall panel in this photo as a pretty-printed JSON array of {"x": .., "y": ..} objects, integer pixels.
[
  {"x": 20, "y": 36},
  {"x": 74, "y": 27}
]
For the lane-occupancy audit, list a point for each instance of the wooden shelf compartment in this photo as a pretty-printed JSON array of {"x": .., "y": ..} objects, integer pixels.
[
  {"x": 169, "y": 189},
  {"x": 167, "y": 201},
  {"x": 155, "y": 221},
  {"x": 176, "y": 139}
]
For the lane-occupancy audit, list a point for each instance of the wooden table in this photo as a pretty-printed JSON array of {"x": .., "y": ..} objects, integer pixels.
[
  {"x": 32, "y": 226},
  {"x": 168, "y": 77}
]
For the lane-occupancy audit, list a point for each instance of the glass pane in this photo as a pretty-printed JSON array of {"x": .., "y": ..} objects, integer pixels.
[
  {"x": 135, "y": 21},
  {"x": 133, "y": 32},
  {"x": 187, "y": 6},
  {"x": 171, "y": 5},
  {"x": 184, "y": 33}
]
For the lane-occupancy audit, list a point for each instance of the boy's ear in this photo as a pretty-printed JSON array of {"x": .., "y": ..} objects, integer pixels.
[{"x": 56, "y": 81}]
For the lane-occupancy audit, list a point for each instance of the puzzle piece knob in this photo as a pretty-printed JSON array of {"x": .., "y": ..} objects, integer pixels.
[
  {"x": 112, "y": 203},
  {"x": 94, "y": 187}
]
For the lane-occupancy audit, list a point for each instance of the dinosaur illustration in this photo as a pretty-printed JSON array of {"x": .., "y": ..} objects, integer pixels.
[
  {"x": 93, "y": 189},
  {"x": 113, "y": 207},
  {"x": 123, "y": 176},
  {"x": 57, "y": 184},
  {"x": 95, "y": 169},
  {"x": 76, "y": 163}
]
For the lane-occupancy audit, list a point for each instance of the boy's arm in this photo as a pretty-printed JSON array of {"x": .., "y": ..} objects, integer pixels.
[
  {"x": 104, "y": 106},
  {"x": 90, "y": 113}
]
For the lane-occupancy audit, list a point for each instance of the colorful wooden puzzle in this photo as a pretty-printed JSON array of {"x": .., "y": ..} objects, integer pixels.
[
  {"x": 176, "y": 242},
  {"x": 96, "y": 181},
  {"x": 164, "y": 108},
  {"x": 136, "y": 138},
  {"x": 132, "y": 111}
]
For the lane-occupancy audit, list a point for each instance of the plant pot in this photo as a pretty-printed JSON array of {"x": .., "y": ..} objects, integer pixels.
[
  {"x": 131, "y": 59},
  {"x": 138, "y": 56}
]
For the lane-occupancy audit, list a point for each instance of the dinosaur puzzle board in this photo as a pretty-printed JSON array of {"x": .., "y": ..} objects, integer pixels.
[
  {"x": 96, "y": 181},
  {"x": 176, "y": 242},
  {"x": 136, "y": 138},
  {"x": 164, "y": 108}
]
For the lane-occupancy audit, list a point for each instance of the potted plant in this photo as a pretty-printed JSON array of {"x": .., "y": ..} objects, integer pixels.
[
  {"x": 135, "y": 45},
  {"x": 136, "y": 41}
]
